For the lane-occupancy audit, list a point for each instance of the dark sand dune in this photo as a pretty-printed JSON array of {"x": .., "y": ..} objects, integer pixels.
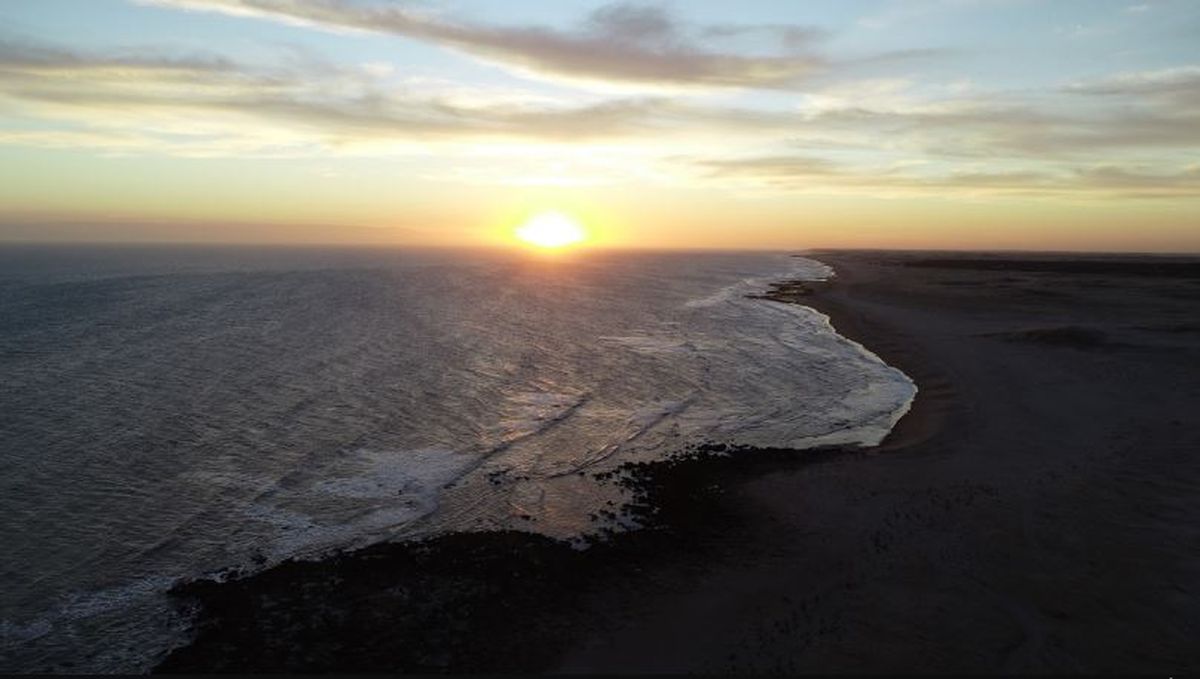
[{"x": 1036, "y": 511}]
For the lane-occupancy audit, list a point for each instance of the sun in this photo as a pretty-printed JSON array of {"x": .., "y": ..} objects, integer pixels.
[{"x": 551, "y": 230}]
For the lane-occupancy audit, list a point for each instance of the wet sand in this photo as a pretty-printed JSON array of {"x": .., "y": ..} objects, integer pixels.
[{"x": 1035, "y": 511}]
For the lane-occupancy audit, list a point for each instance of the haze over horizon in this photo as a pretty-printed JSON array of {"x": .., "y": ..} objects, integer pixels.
[{"x": 971, "y": 124}]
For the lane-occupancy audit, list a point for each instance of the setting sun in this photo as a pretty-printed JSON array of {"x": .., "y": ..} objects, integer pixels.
[{"x": 550, "y": 230}]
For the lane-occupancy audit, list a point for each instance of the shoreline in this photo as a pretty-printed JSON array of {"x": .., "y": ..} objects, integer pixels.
[
  {"x": 982, "y": 534},
  {"x": 933, "y": 404},
  {"x": 663, "y": 492}
]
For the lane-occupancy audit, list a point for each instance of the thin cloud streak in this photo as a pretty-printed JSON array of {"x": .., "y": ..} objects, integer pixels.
[
  {"x": 617, "y": 43},
  {"x": 139, "y": 92},
  {"x": 808, "y": 174}
]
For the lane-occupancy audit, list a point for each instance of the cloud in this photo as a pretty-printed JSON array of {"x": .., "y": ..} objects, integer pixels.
[
  {"x": 617, "y": 43},
  {"x": 786, "y": 35},
  {"x": 904, "y": 135},
  {"x": 1138, "y": 112},
  {"x": 52, "y": 226},
  {"x": 775, "y": 167},
  {"x": 341, "y": 105},
  {"x": 201, "y": 105},
  {"x": 1139, "y": 181},
  {"x": 806, "y": 173},
  {"x": 34, "y": 58},
  {"x": 1178, "y": 86}
]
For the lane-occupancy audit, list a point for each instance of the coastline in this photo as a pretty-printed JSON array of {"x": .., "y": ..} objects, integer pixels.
[
  {"x": 932, "y": 406},
  {"x": 934, "y": 551}
]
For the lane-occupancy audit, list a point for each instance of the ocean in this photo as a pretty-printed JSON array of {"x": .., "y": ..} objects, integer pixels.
[{"x": 172, "y": 412}]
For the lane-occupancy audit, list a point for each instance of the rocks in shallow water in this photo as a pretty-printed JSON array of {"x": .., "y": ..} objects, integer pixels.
[{"x": 791, "y": 292}]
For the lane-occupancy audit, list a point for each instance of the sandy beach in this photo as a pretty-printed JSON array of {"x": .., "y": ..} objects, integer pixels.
[{"x": 1035, "y": 511}]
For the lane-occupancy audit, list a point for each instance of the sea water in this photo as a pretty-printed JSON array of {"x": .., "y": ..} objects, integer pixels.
[{"x": 172, "y": 412}]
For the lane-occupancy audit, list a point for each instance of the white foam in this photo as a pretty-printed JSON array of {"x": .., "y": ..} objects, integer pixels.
[
  {"x": 301, "y": 535},
  {"x": 799, "y": 267},
  {"x": 388, "y": 490},
  {"x": 528, "y": 412},
  {"x": 119, "y": 607},
  {"x": 724, "y": 294},
  {"x": 812, "y": 270},
  {"x": 879, "y": 395},
  {"x": 863, "y": 415},
  {"x": 388, "y": 474},
  {"x": 653, "y": 413},
  {"x": 80, "y": 606},
  {"x": 12, "y": 632}
]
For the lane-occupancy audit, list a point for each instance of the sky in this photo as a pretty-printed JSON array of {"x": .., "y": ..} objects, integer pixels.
[{"x": 948, "y": 124}]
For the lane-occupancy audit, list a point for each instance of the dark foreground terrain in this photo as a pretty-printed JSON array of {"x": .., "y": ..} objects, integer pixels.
[{"x": 1036, "y": 511}]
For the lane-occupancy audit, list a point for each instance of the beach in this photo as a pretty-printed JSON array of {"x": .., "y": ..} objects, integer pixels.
[{"x": 1034, "y": 511}]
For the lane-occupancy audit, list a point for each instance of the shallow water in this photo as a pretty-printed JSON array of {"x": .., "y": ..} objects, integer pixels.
[{"x": 172, "y": 412}]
